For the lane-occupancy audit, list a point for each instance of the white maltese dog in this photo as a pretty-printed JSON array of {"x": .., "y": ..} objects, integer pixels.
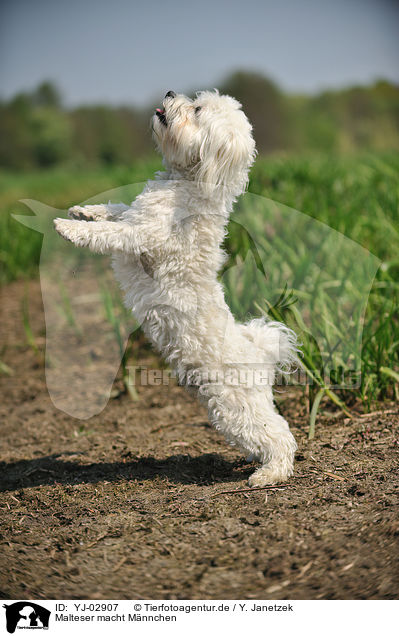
[{"x": 166, "y": 249}]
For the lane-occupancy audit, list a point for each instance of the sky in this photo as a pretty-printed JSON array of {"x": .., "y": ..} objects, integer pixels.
[{"x": 127, "y": 52}]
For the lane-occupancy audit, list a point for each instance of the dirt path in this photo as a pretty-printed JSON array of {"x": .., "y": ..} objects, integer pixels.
[{"x": 131, "y": 503}]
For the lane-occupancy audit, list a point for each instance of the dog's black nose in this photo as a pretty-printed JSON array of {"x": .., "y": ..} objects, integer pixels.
[{"x": 170, "y": 94}]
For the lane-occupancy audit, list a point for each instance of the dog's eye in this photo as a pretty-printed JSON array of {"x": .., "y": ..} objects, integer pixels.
[{"x": 197, "y": 110}]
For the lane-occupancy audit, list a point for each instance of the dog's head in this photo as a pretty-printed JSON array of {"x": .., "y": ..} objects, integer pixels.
[{"x": 208, "y": 139}]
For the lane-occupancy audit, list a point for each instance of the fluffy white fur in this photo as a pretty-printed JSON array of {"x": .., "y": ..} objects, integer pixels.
[{"x": 166, "y": 249}]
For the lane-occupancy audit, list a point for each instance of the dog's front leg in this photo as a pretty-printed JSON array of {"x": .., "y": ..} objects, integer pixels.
[
  {"x": 99, "y": 212},
  {"x": 103, "y": 237}
]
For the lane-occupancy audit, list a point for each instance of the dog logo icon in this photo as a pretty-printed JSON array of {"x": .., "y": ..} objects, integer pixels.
[{"x": 26, "y": 615}]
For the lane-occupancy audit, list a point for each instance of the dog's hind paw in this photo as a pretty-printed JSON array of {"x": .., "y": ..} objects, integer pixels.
[{"x": 268, "y": 475}]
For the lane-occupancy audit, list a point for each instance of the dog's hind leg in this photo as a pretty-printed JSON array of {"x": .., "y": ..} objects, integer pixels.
[
  {"x": 279, "y": 464},
  {"x": 247, "y": 419}
]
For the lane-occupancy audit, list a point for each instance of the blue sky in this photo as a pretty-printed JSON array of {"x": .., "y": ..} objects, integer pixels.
[{"x": 126, "y": 52}]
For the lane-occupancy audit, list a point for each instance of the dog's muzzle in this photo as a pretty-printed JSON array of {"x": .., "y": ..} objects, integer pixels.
[{"x": 160, "y": 112}]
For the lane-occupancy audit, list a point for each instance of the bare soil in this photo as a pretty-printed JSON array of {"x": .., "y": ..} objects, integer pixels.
[{"x": 145, "y": 500}]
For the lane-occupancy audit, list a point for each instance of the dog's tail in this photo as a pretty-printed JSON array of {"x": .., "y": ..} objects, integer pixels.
[{"x": 276, "y": 342}]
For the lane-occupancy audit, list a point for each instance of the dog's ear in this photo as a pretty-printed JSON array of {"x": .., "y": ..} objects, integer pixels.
[{"x": 225, "y": 158}]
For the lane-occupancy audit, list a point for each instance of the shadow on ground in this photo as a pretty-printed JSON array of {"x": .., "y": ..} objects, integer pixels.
[{"x": 180, "y": 469}]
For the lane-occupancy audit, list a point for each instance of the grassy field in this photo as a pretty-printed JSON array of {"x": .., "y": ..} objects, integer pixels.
[{"x": 346, "y": 318}]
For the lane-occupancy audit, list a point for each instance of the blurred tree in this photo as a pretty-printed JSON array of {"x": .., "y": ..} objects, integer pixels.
[
  {"x": 47, "y": 94},
  {"x": 109, "y": 135},
  {"x": 34, "y": 131},
  {"x": 51, "y": 130},
  {"x": 15, "y": 137},
  {"x": 265, "y": 107}
]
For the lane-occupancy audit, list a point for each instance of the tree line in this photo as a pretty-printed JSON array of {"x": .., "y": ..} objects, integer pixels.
[{"x": 37, "y": 131}]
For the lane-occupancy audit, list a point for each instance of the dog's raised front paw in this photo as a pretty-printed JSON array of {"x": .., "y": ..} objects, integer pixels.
[
  {"x": 73, "y": 231},
  {"x": 87, "y": 212},
  {"x": 62, "y": 227}
]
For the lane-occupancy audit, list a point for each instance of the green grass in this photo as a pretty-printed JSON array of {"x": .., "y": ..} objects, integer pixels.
[
  {"x": 358, "y": 197},
  {"x": 20, "y": 247},
  {"x": 272, "y": 246},
  {"x": 115, "y": 311}
]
